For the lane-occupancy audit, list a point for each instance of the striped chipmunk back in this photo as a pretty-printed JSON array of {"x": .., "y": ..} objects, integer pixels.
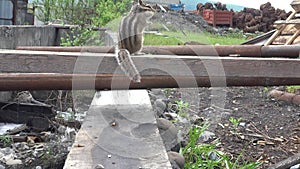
[{"x": 131, "y": 37}]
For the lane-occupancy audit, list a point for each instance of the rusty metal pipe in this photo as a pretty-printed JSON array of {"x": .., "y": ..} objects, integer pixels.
[
  {"x": 289, "y": 51},
  {"x": 37, "y": 81}
]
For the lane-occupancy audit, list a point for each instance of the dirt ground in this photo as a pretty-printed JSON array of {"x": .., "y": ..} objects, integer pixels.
[{"x": 268, "y": 130}]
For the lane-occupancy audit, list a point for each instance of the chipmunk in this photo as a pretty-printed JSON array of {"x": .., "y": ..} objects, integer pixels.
[{"x": 130, "y": 40}]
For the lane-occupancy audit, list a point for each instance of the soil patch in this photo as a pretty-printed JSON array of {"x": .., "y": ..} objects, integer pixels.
[{"x": 267, "y": 130}]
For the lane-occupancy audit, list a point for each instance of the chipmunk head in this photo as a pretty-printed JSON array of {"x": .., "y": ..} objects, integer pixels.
[{"x": 141, "y": 7}]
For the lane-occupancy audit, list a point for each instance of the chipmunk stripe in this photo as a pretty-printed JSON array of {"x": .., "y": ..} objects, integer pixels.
[{"x": 131, "y": 37}]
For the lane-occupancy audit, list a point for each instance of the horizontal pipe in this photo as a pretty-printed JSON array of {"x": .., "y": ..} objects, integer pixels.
[
  {"x": 41, "y": 70},
  {"x": 42, "y": 81},
  {"x": 289, "y": 51}
]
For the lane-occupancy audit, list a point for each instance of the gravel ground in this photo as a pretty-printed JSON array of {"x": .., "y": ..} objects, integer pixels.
[{"x": 267, "y": 130}]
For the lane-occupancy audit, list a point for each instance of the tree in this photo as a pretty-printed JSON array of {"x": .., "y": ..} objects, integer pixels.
[{"x": 83, "y": 13}]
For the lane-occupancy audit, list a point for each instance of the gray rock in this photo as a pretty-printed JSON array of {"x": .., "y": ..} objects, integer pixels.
[
  {"x": 159, "y": 93},
  {"x": 213, "y": 156},
  {"x": 168, "y": 133},
  {"x": 206, "y": 136},
  {"x": 171, "y": 116},
  {"x": 183, "y": 120},
  {"x": 61, "y": 129},
  {"x": 295, "y": 166},
  {"x": 177, "y": 160},
  {"x": 13, "y": 162},
  {"x": 160, "y": 104}
]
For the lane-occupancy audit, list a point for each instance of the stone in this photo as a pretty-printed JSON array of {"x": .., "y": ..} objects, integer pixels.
[
  {"x": 177, "y": 160},
  {"x": 295, "y": 166},
  {"x": 171, "y": 116},
  {"x": 160, "y": 104},
  {"x": 213, "y": 156},
  {"x": 14, "y": 162},
  {"x": 168, "y": 133},
  {"x": 206, "y": 136},
  {"x": 61, "y": 129}
]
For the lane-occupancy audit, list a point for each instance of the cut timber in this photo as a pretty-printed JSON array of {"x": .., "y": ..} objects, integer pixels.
[{"x": 119, "y": 132}]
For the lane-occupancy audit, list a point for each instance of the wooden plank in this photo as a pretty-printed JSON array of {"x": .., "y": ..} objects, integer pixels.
[
  {"x": 291, "y": 40},
  {"x": 133, "y": 141},
  {"x": 287, "y": 22},
  {"x": 278, "y": 32}
]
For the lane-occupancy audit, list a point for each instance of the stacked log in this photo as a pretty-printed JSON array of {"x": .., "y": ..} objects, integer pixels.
[{"x": 250, "y": 19}]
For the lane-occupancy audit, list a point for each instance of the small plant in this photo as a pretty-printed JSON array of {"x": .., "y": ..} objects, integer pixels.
[
  {"x": 47, "y": 154},
  {"x": 206, "y": 156},
  {"x": 167, "y": 92},
  {"x": 266, "y": 89},
  {"x": 235, "y": 122},
  {"x": 292, "y": 89},
  {"x": 5, "y": 140},
  {"x": 182, "y": 108}
]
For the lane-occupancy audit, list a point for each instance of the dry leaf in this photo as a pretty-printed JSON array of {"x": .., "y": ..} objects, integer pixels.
[{"x": 261, "y": 142}]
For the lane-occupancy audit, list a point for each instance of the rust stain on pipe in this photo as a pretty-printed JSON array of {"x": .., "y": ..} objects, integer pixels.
[{"x": 38, "y": 81}]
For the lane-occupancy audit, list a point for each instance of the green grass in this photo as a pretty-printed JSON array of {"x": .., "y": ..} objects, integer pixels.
[
  {"x": 176, "y": 37},
  {"x": 179, "y": 38},
  {"x": 151, "y": 39},
  {"x": 228, "y": 39},
  {"x": 200, "y": 155}
]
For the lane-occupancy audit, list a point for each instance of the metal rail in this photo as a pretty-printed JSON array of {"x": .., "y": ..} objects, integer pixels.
[
  {"x": 288, "y": 51},
  {"x": 36, "y": 70}
]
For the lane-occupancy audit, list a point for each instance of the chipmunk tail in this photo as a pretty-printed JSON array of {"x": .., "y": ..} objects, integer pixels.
[{"x": 125, "y": 62}]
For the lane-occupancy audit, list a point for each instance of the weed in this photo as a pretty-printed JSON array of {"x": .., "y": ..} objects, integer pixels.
[
  {"x": 182, "y": 108},
  {"x": 235, "y": 122},
  {"x": 206, "y": 156},
  {"x": 167, "y": 92},
  {"x": 6, "y": 140},
  {"x": 292, "y": 89}
]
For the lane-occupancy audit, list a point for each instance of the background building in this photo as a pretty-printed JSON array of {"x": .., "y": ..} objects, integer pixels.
[{"x": 16, "y": 12}]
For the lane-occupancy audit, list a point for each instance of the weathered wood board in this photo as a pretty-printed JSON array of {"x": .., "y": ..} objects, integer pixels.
[
  {"x": 119, "y": 132},
  {"x": 67, "y": 71}
]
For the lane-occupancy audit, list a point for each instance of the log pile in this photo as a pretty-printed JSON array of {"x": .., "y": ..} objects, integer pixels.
[{"x": 250, "y": 19}]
